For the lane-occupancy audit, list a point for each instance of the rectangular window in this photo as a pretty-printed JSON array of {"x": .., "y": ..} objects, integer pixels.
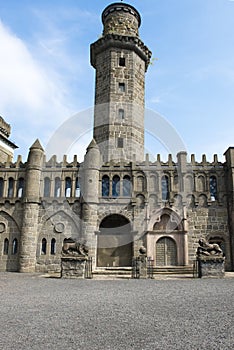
[
  {"x": 122, "y": 87},
  {"x": 121, "y": 113},
  {"x": 122, "y": 61},
  {"x": 120, "y": 142}
]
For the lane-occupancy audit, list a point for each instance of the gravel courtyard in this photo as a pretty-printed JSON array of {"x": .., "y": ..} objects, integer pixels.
[{"x": 49, "y": 313}]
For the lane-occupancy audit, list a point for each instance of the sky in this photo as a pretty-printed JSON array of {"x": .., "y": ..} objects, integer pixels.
[{"x": 46, "y": 78}]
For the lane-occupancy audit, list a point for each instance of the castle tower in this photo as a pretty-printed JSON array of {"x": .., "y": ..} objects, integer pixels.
[
  {"x": 29, "y": 233},
  {"x": 121, "y": 60}
]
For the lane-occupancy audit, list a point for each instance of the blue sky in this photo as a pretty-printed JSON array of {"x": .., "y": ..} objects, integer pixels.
[{"x": 46, "y": 77}]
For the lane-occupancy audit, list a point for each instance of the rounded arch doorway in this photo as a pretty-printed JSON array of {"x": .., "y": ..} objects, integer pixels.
[{"x": 114, "y": 242}]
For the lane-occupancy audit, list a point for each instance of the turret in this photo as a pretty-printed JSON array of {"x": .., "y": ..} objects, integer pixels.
[{"x": 29, "y": 230}]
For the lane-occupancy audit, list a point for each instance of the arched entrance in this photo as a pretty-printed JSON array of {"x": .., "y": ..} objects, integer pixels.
[
  {"x": 166, "y": 252},
  {"x": 115, "y": 243}
]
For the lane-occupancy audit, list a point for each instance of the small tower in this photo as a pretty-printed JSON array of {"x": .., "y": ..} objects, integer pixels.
[
  {"x": 121, "y": 60},
  {"x": 29, "y": 232}
]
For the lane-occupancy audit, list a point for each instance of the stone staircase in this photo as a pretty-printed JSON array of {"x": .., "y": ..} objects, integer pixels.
[{"x": 126, "y": 272}]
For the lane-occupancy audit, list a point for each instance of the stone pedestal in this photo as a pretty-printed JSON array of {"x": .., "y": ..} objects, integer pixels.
[
  {"x": 73, "y": 267},
  {"x": 211, "y": 266}
]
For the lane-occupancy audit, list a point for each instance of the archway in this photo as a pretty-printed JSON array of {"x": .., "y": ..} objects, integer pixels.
[
  {"x": 115, "y": 243},
  {"x": 166, "y": 252}
]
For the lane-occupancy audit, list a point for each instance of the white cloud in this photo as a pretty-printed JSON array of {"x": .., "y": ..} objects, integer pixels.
[{"x": 32, "y": 95}]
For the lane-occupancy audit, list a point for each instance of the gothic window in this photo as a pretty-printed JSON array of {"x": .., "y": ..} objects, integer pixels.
[
  {"x": 10, "y": 187},
  {"x": 57, "y": 187},
  {"x": 77, "y": 193},
  {"x": 53, "y": 246},
  {"x": 120, "y": 142},
  {"x": 43, "y": 246},
  {"x": 121, "y": 113},
  {"x": 105, "y": 186},
  {"x": 213, "y": 188},
  {"x": 140, "y": 184},
  {"x": 153, "y": 183},
  {"x": 127, "y": 186},
  {"x": 14, "y": 246},
  {"x": 68, "y": 187},
  {"x": 1, "y": 186},
  {"x": 46, "y": 187},
  {"x": 121, "y": 87},
  {"x": 115, "y": 186},
  {"x": 20, "y": 188},
  {"x": 201, "y": 184},
  {"x": 165, "y": 188},
  {"x": 6, "y": 246},
  {"x": 122, "y": 61}
]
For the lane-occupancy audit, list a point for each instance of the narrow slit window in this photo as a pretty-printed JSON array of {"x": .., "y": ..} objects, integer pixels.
[
  {"x": 120, "y": 142},
  {"x": 122, "y": 87},
  {"x": 121, "y": 113},
  {"x": 122, "y": 61}
]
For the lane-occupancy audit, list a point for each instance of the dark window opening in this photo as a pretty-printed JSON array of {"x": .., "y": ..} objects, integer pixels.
[
  {"x": 57, "y": 187},
  {"x": 10, "y": 187},
  {"x": 1, "y": 186},
  {"x": 68, "y": 187},
  {"x": 105, "y": 186},
  {"x": 122, "y": 87},
  {"x": 122, "y": 61},
  {"x": 120, "y": 143},
  {"x": 14, "y": 246},
  {"x": 6, "y": 246},
  {"x": 43, "y": 246},
  {"x": 77, "y": 193},
  {"x": 20, "y": 189},
  {"x": 121, "y": 113},
  {"x": 213, "y": 188},
  {"x": 47, "y": 187},
  {"x": 116, "y": 186},
  {"x": 53, "y": 246}
]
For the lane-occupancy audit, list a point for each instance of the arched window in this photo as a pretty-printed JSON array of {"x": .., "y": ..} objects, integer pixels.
[
  {"x": 10, "y": 187},
  {"x": 201, "y": 184},
  {"x": 47, "y": 185},
  {"x": 1, "y": 186},
  {"x": 53, "y": 246},
  {"x": 127, "y": 186},
  {"x": 165, "y": 188},
  {"x": 77, "y": 192},
  {"x": 116, "y": 186},
  {"x": 153, "y": 183},
  {"x": 6, "y": 246},
  {"x": 140, "y": 184},
  {"x": 43, "y": 246},
  {"x": 213, "y": 188},
  {"x": 57, "y": 187},
  {"x": 20, "y": 188},
  {"x": 105, "y": 186},
  {"x": 14, "y": 246},
  {"x": 68, "y": 187}
]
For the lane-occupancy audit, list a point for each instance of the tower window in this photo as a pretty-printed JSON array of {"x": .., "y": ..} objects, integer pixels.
[
  {"x": 122, "y": 87},
  {"x": 120, "y": 142},
  {"x": 122, "y": 61},
  {"x": 121, "y": 113},
  {"x": 165, "y": 188}
]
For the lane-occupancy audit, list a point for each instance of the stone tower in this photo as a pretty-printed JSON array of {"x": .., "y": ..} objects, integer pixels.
[{"x": 121, "y": 60}]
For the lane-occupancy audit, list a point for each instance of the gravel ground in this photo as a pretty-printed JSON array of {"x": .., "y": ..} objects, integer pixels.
[{"x": 48, "y": 313}]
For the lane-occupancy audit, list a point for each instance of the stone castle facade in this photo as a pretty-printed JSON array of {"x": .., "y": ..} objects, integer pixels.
[{"x": 116, "y": 200}]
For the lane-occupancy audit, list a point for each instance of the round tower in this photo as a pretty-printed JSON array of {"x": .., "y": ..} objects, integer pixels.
[{"x": 121, "y": 60}]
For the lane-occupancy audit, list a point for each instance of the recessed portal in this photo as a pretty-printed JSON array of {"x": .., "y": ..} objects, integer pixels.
[{"x": 115, "y": 242}]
